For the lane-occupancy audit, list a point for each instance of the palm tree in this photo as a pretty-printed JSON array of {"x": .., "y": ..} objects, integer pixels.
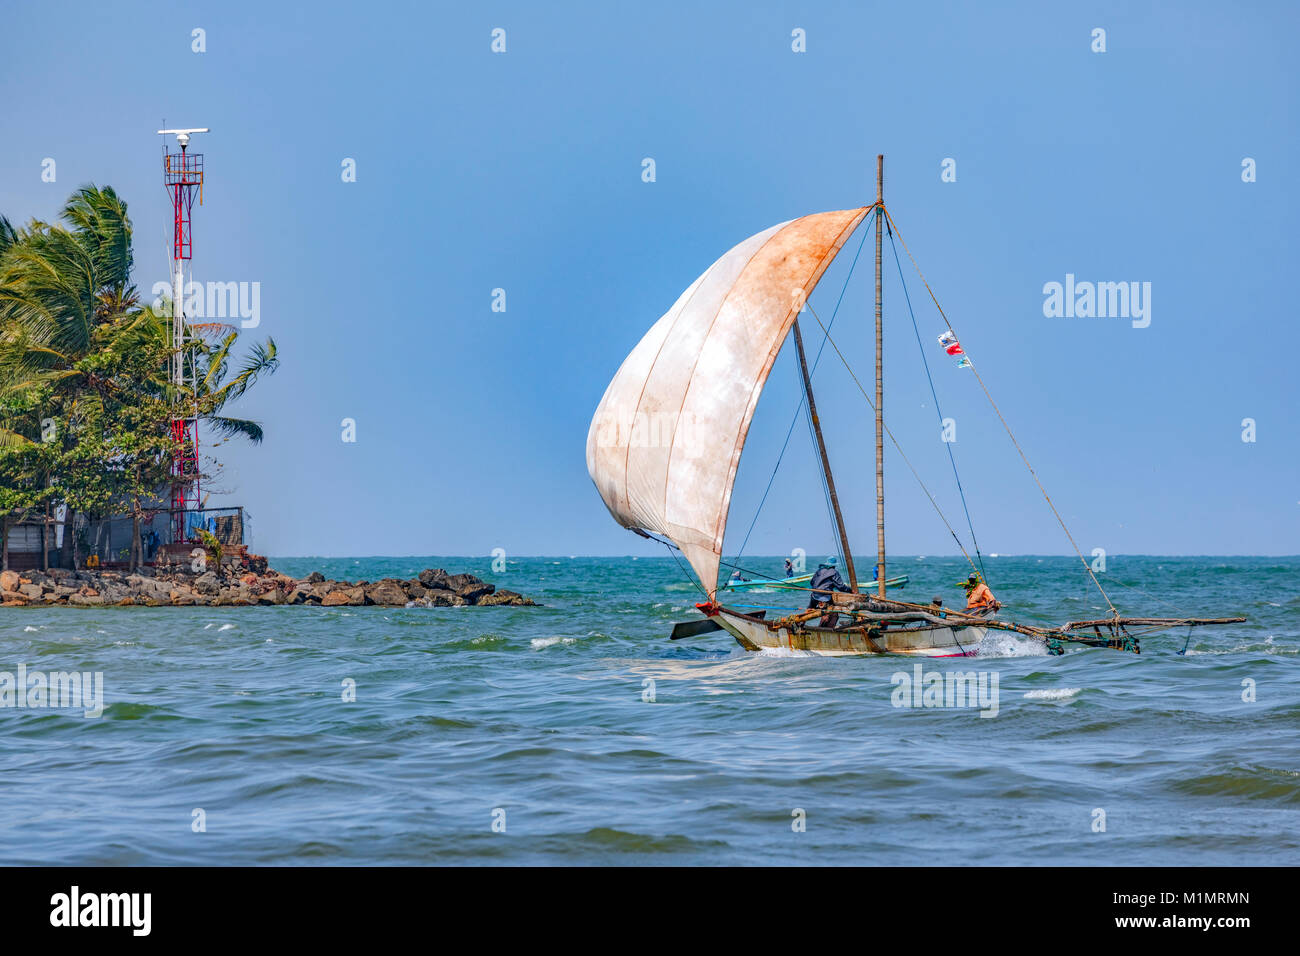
[
  {"x": 57, "y": 286},
  {"x": 215, "y": 389},
  {"x": 75, "y": 342},
  {"x": 211, "y": 379}
]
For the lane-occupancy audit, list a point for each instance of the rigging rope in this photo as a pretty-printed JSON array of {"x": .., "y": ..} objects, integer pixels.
[
  {"x": 897, "y": 447},
  {"x": 971, "y": 365},
  {"x": 671, "y": 549},
  {"x": 933, "y": 394},
  {"x": 803, "y": 401}
]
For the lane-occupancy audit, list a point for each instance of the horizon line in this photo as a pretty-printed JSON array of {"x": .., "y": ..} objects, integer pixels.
[{"x": 997, "y": 555}]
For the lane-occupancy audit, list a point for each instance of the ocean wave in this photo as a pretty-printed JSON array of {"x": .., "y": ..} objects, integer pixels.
[
  {"x": 1058, "y": 693},
  {"x": 538, "y": 643},
  {"x": 1267, "y": 646},
  {"x": 1252, "y": 783}
]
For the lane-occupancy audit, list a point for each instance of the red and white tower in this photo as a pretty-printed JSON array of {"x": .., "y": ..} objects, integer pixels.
[{"x": 183, "y": 175}]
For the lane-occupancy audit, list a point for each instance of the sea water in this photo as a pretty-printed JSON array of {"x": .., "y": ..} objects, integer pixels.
[{"x": 577, "y": 733}]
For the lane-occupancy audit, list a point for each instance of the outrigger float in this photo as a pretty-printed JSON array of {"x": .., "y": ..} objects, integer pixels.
[{"x": 665, "y": 444}]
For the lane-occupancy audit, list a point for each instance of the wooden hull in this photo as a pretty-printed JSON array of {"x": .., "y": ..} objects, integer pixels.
[{"x": 924, "y": 640}]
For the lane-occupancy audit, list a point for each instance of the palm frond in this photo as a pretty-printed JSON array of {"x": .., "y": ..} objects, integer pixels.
[{"x": 235, "y": 428}]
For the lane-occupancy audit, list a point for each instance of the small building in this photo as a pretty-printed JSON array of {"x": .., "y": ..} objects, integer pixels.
[{"x": 108, "y": 539}]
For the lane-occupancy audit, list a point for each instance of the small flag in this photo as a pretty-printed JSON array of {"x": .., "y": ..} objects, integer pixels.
[
  {"x": 963, "y": 363},
  {"x": 948, "y": 338},
  {"x": 955, "y": 349}
]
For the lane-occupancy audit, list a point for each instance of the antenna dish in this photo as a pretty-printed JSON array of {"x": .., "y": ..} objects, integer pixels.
[{"x": 183, "y": 135}]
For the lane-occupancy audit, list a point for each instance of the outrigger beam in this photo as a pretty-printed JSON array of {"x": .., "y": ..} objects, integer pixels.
[{"x": 1152, "y": 622}]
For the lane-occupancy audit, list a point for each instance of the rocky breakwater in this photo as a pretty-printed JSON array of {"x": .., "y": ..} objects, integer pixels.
[{"x": 433, "y": 587}]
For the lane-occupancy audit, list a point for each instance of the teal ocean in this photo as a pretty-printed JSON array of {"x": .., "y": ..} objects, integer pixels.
[{"x": 577, "y": 733}]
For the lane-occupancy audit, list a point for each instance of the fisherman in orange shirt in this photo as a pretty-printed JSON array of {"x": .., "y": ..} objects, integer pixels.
[{"x": 978, "y": 595}]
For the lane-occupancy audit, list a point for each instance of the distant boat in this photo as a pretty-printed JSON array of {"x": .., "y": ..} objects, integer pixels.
[
  {"x": 799, "y": 581},
  {"x": 666, "y": 440}
]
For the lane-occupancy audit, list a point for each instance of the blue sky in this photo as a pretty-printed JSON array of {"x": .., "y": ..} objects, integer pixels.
[{"x": 522, "y": 171}]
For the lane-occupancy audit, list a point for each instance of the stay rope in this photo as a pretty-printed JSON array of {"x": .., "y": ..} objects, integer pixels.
[
  {"x": 897, "y": 447},
  {"x": 952, "y": 460},
  {"x": 971, "y": 365}
]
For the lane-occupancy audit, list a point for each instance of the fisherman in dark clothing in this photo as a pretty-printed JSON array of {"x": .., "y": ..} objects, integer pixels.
[{"x": 825, "y": 580}]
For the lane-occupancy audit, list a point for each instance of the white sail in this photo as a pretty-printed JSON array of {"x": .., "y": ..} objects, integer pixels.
[{"x": 665, "y": 442}]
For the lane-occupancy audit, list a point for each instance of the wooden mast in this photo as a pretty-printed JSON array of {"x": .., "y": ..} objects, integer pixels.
[
  {"x": 826, "y": 462},
  {"x": 880, "y": 389}
]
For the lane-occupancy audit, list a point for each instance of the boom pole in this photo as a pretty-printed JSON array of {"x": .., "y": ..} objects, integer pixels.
[{"x": 826, "y": 462}]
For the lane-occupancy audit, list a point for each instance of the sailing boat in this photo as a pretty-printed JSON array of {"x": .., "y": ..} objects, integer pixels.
[{"x": 665, "y": 444}]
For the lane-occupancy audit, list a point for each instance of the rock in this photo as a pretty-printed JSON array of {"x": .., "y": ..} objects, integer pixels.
[
  {"x": 115, "y": 593},
  {"x": 504, "y": 597},
  {"x": 435, "y": 579},
  {"x": 444, "y": 599},
  {"x": 299, "y": 595},
  {"x": 208, "y": 583},
  {"x": 472, "y": 592},
  {"x": 387, "y": 593},
  {"x": 234, "y": 597},
  {"x": 350, "y": 597},
  {"x": 180, "y": 586}
]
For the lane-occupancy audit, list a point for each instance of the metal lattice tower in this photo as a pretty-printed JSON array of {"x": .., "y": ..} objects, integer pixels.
[{"x": 182, "y": 175}]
